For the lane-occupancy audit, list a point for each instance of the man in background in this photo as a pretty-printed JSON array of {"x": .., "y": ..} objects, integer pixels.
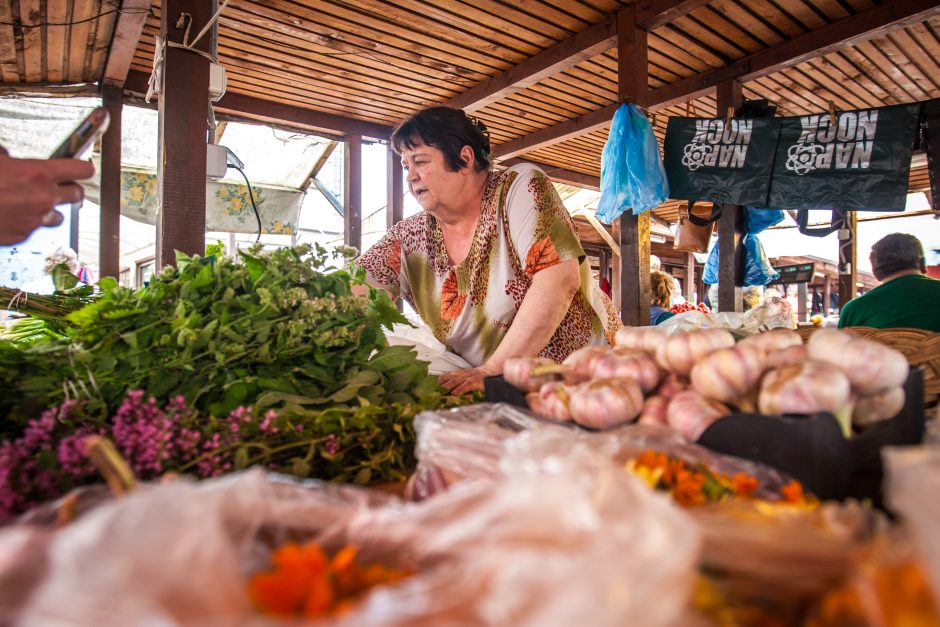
[{"x": 906, "y": 296}]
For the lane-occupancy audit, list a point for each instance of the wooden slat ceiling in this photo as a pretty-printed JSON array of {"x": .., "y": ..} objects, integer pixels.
[{"x": 377, "y": 61}]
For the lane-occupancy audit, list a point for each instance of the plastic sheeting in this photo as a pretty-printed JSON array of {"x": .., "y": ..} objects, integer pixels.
[{"x": 566, "y": 539}]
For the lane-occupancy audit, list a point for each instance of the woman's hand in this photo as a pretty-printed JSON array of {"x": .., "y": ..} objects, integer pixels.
[{"x": 467, "y": 380}]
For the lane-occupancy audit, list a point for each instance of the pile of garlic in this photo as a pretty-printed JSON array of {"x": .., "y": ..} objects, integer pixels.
[{"x": 689, "y": 380}]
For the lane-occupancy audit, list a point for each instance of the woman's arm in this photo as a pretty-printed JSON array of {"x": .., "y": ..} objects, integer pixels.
[{"x": 543, "y": 308}]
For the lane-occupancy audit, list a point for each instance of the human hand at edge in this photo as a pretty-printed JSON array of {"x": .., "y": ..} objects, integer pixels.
[{"x": 30, "y": 189}]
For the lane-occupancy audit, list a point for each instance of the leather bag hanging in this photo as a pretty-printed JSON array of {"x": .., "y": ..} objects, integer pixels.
[{"x": 693, "y": 232}]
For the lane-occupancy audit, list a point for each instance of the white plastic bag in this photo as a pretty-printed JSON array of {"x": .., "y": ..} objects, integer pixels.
[
  {"x": 427, "y": 346},
  {"x": 565, "y": 539}
]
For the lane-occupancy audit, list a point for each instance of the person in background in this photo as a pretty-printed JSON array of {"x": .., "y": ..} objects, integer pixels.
[
  {"x": 30, "y": 189},
  {"x": 62, "y": 255},
  {"x": 660, "y": 294},
  {"x": 656, "y": 265},
  {"x": 752, "y": 297},
  {"x": 906, "y": 296},
  {"x": 492, "y": 264}
]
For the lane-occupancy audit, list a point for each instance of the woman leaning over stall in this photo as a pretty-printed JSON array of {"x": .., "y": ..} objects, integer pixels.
[{"x": 492, "y": 264}]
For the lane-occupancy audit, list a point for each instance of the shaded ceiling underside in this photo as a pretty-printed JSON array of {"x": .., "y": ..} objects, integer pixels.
[{"x": 376, "y": 61}]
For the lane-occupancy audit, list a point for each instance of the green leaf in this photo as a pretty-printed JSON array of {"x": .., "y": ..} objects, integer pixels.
[
  {"x": 363, "y": 477},
  {"x": 393, "y": 358},
  {"x": 241, "y": 457}
]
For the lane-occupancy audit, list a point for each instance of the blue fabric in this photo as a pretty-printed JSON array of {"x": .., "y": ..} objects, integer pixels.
[{"x": 632, "y": 172}]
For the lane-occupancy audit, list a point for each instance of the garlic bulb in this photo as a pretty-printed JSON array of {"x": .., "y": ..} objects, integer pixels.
[
  {"x": 629, "y": 364},
  {"x": 807, "y": 389},
  {"x": 774, "y": 340},
  {"x": 690, "y": 414},
  {"x": 580, "y": 363},
  {"x": 789, "y": 356},
  {"x": 640, "y": 338},
  {"x": 518, "y": 372},
  {"x": 729, "y": 375},
  {"x": 680, "y": 351},
  {"x": 654, "y": 411},
  {"x": 871, "y": 367},
  {"x": 553, "y": 401},
  {"x": 672, "y": 384},
  {"x": 881, "y": 406},
  {"x": 605, "y": 403}
]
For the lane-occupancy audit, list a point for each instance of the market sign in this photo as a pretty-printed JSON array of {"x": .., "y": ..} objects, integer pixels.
[
  {"x": 850, "y": 161},
  {"x": 722, "y": 161}
]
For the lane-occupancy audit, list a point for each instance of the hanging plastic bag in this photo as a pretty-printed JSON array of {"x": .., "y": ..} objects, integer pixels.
[
  {"x": 757, "y": 268},
  {"x": 759, "y": 219},
  {"x": 710, "y": 274},
  {"x": 632, "y": 173}
]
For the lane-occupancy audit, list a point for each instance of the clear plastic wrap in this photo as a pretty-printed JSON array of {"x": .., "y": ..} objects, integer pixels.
[
  {"x": 564, "y": 539},
  {"x": 774, "y": 312},
  {"x": 913, "y": 483},
  {"x": 468, "y": 443}
]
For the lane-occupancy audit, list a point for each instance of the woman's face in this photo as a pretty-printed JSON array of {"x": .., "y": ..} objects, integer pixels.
[{"x": 429, "y": 180}]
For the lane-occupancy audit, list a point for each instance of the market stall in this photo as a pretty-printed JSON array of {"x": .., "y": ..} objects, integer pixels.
[{"x": 701, "y": 472}]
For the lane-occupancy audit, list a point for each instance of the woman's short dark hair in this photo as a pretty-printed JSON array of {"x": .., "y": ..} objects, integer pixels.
[
  {"x": 894, "y": 253},
  {"x": 448, "y": 130}
]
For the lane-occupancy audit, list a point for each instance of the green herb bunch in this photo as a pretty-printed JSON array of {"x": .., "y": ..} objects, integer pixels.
[{"x": 277, "y": 330}]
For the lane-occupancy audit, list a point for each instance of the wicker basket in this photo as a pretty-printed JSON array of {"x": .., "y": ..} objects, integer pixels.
[{"x": 922, "y": 348}]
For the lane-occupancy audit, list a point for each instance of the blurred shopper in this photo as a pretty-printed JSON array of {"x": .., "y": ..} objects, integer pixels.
[
  {"x": 906, "y": 296},
  {"x": 660, "y": 295}
]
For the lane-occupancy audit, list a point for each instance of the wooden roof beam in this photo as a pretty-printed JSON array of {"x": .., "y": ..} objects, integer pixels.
[
  {"x": 560, "y": 175},
  {"x": 584, "y": 45},
  {"x": 130, "y": 24},
  {"x": 651, "y": 14},
  {"x": 868, "y": 24},
  {"x": 568, "y": 53},
  {"x": 555, "y": 134},
  {"x": 277, "y": 114}
]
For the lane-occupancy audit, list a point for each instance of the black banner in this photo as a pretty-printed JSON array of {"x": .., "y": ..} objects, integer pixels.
[
  {"x": 722, "y": 161},
  {"x": 859, "y": 163}
]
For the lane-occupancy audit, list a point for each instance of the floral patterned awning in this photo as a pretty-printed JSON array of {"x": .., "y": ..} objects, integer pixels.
[{"x": 228, "y": 206}]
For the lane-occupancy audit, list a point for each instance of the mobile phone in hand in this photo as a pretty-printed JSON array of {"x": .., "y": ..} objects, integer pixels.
[{"x": 84, "y": 134}]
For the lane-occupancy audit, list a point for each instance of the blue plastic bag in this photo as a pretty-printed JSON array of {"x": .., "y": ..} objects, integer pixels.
[
  {"x": 760, "y": 219},
  {"x": 632, "y": 173},
  {"x": 757, "y": 268}
]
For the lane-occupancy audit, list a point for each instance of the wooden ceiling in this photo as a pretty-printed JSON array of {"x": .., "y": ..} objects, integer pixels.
[{"x": 541, "y": 74}]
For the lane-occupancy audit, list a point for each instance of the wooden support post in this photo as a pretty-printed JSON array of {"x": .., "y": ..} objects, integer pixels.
[
  {"x": 848, "y": 259},
  {"x": 395, "y": 205},
  {"x": 352, "y": 192},
  {"x": 633, "y": 232},
  {"x": 730, "y": 226},
  {"x": 802, "y": 311},
  {"x": 827, "y": 295},
  {"x": 690, "y": 277},
  {"x": 109, "y": 223},
  {"x": 181, "y": 168}
]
